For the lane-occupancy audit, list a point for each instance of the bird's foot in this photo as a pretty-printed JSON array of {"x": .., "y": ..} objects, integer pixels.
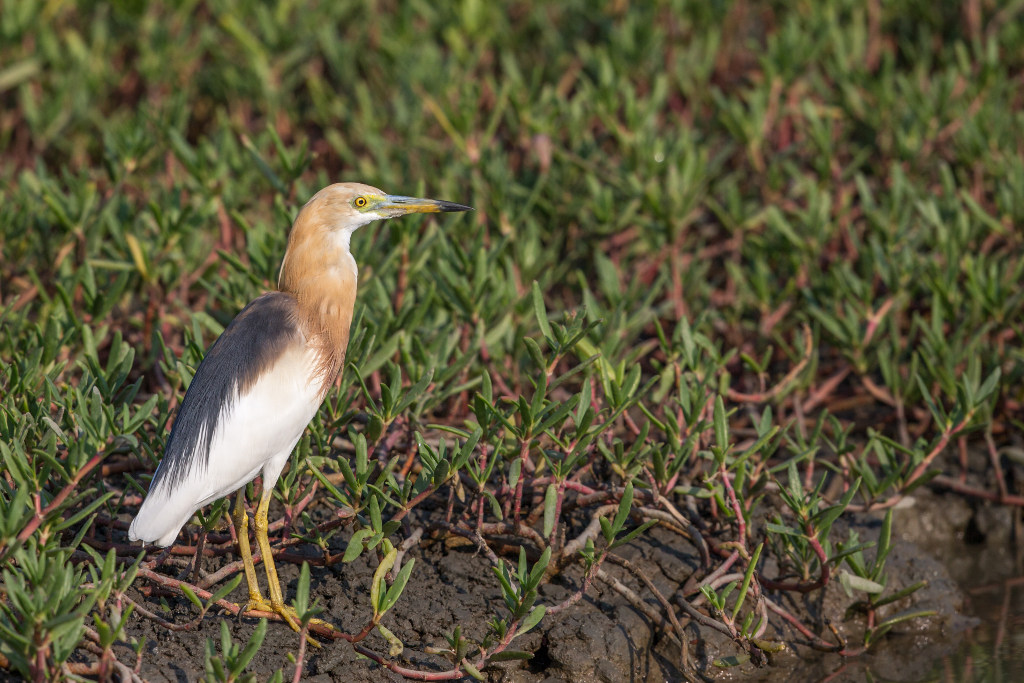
[{"x": 290, "y": 616}]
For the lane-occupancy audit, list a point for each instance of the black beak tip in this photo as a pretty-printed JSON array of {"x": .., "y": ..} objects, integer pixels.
[{"x": 452, "y": 206}]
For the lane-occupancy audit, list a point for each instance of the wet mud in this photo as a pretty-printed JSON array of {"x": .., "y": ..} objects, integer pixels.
[{"x": 938, "y": 539}]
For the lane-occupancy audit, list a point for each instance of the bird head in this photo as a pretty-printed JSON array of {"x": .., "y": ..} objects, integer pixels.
[
  {"x": 348, "y": 206},
  {"x": 318, "y": 244}
]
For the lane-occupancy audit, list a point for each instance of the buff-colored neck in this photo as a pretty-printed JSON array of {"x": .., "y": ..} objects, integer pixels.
[{"x": 319, "y": 271}]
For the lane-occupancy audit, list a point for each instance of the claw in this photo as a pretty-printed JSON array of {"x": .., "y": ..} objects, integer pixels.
[{"x": 290, "y": 617}]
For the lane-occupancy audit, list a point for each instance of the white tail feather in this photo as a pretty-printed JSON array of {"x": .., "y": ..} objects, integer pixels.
[{"x": 161, "y": 517}]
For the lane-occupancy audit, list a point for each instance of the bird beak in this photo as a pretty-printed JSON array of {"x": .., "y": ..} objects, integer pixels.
[{"x": 396, "y": 205}]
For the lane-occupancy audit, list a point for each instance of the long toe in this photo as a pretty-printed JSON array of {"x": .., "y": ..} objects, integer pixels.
[
  {"x": 324, "y": 624},
  {"x": 258, "y": 605},
  {"x": 289, "y": 615}
]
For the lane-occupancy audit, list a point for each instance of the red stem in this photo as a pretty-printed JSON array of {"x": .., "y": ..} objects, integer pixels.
[
  {"x": 40, "y": 515},
  {"x": 939, "y": 447}
]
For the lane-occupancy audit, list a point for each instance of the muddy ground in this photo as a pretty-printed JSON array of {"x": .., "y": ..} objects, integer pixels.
[{"x": 605, "y": 638}]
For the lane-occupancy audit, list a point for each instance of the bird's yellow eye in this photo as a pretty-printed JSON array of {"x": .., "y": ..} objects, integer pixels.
[{"x": 360, "y": 202}]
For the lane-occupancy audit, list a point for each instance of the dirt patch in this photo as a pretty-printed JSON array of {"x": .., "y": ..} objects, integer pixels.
[{"x": 604, "y": 637}]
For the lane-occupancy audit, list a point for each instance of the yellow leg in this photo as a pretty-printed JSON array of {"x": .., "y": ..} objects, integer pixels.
[
  {"x": 273, "y": 584},
  {"x": 241, "y": 521},
  {"x": 256, "y": 600}
]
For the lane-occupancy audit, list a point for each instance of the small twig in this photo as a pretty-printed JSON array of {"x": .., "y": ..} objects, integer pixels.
[
  {"x": 997, "y": 469},
  {"x": 704, "y": 619},
  {"x": 303, "y": 637},
  {"x": 588, "y": 578},
  {"x": 524, "y": 456},
  {"x": 717, "y": 583},
  {"x": 406, "y": 545},
  {"x": 665, "y": 604},
  {"x": 573, "y": 547},
  {"x": 816, "y": 641},
  {"x": 958, "y": 486},
  {"x": 823, "y": 577},
  {"x": 530, "y": 533},
  {"x": 451, "y": 675},
  {"x": 721, "y": 570},
  {"x": 821, "y": 394},
  {"x": 785, "y": 382},
  {"x": 472, "y": 535},
  {"x": 168, "y": 582},
  {"x": 939, "y": 447},
  {"x": 160, "y": 621},
  {"x": 291, "y": 512},
  {"x": 741, "y": 523},
  {"x": 58, "y": 500},
  {"x": 625, "y": 591},
  {"x": 198, "y": 562},
  {"x": 690, "y": 531}
]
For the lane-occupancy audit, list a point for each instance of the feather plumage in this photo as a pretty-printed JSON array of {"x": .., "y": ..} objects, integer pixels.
[
  {"x": 264, "y": 378},
  {"x": 246, "y": 407}
]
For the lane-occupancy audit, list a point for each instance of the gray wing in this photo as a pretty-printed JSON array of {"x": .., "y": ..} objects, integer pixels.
[{"x": 249, "y": 347}]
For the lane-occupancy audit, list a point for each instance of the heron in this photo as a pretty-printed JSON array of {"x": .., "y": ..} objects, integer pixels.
[{"x": 263, "y": 380}]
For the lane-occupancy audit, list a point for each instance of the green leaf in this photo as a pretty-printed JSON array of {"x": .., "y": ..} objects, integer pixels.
[
  {"x": 852, "y": 582},
  {"x": 84, "y": 512},
  {"x": 223, "y": 591},
  {"x": 251, "y": 648},
  {"x": 824, "y": 519},
  {"x": 989, "y": 386},
  {"x": 301, "y": 599},
  {"x": 884, "y": 545},
  {"x": 374, "y": 510},
  {"x": 721, "y": 424},
  {"x": 532, "y": 619},
  {"x": 539, "y": 567},
  {"x": 508, "y": 592},
  {"x": 190, "y": 594},
  {"x": 378, "y": 588},
  {"x": 472, "y": 670},
  {"x": 550, "y": 503},
  {"x": 355, "y": 544},
  {"x": 536, "y": 355},
  {"x": 326, "y": 483},
  {"x": 440, "y": 473},
  {"x": 731, "y": 661},
  {"x": 416, "y": 390},
  {"x": 513, "y": 472},
  {"x": 395, "y": 591},
  {"x": 746, "y": 580},
  {"x": 936, "y": 411},
  {"x": 540, "y": 310},
  {"x": 623, "y": 540},
  {"x": 625, "y": 506},
  {"x": 495, "y": 505},
  {"x": 780, "y": 529},
  {"x": 395, "y": 645}
]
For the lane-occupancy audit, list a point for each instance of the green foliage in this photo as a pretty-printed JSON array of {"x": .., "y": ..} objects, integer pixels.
[
  {"x": 869, "y": 577},
  {"x": 305, "y": 609},
  {"x": 229, "y": 666},
  {"x": 717, "y": 264},
  {"x": 43, "y": 617},
  {"x": 519, "y": 591}
]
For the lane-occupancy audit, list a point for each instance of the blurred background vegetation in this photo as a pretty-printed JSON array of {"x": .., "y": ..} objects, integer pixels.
[{"x": 694, "y": 183}]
